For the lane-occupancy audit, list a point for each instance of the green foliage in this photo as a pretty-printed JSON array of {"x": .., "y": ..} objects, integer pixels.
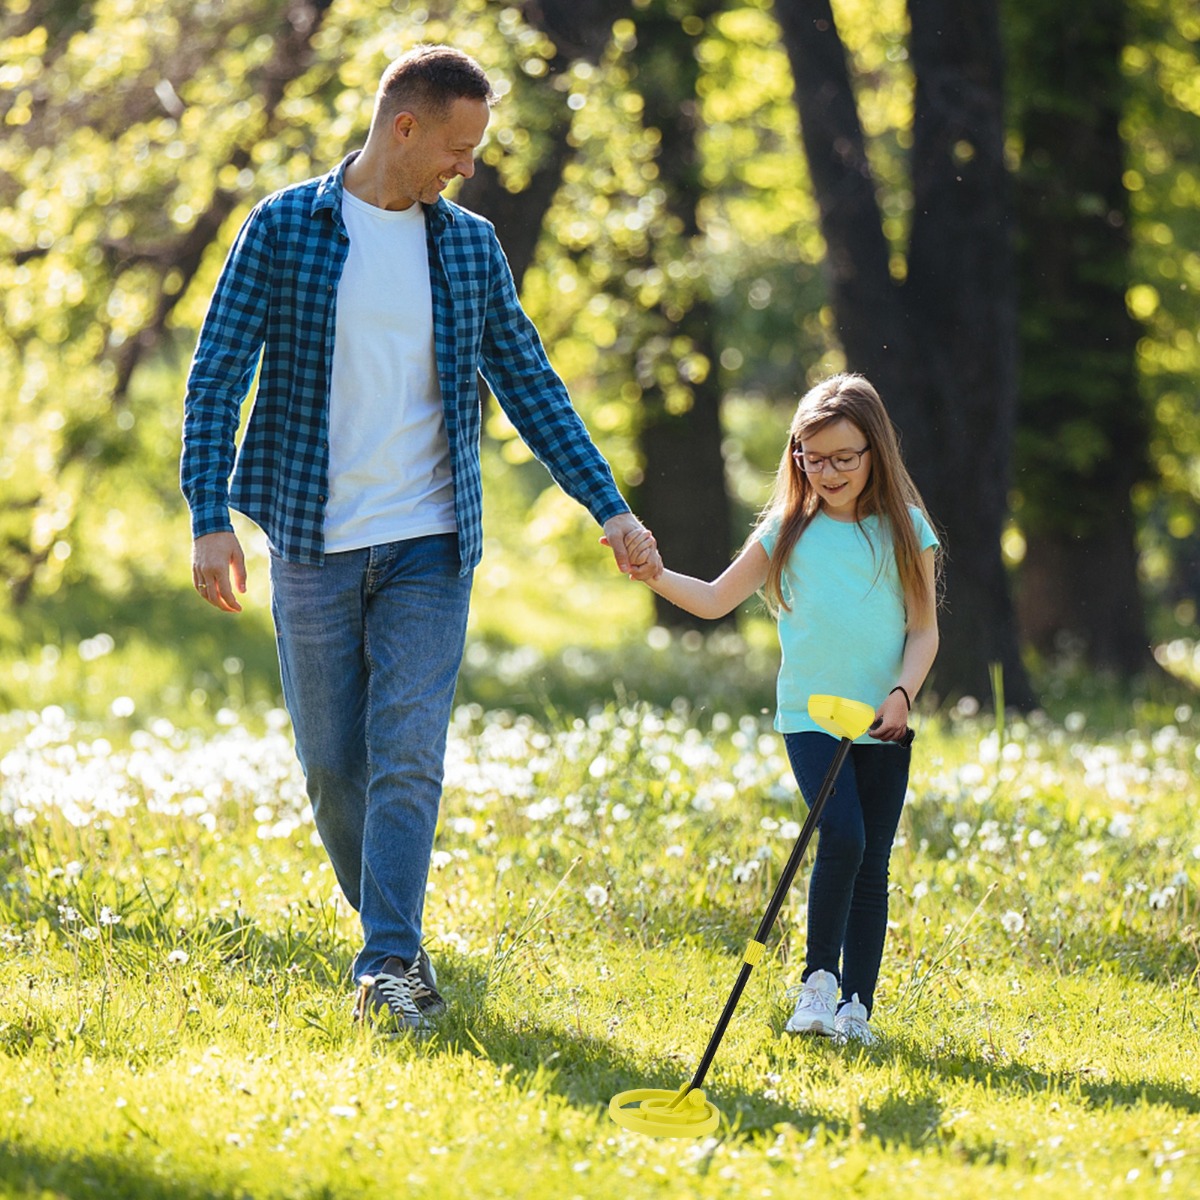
[
  {"x": 1161, "y": 70},
  {"x": 133, "y": 146}
]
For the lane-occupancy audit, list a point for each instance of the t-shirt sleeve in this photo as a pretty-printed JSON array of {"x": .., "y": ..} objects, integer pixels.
[
  {"x": 925, "y": 535},
  {"x": 767, "y": 535}
]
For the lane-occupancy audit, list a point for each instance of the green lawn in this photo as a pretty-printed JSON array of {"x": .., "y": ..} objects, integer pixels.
[{"x": 174, "y": 1009}]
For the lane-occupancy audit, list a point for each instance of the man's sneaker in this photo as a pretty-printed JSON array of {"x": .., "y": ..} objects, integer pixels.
[
  {"x": 422, "y": 985},
  {"x": 386, "y": 1000},
  {"x": 851, "y": 1023},
  {"x": 816, "y": 1009}
]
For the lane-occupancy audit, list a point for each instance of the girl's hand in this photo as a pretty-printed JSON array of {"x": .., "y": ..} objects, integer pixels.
[
  {"x": 642, "y": 552},
  {"x": 891, "y": 719}
]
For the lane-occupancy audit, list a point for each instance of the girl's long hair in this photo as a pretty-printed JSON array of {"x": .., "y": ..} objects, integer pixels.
[{"x": 890, "y": 492}]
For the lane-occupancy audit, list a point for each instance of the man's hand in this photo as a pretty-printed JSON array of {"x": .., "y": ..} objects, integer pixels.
[
  {"x": 213, "y": 555},
  {"x": 621, "y": 533}
]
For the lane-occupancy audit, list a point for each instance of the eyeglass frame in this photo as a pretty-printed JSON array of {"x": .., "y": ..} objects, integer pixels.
[{"x": 798, "y": 457}]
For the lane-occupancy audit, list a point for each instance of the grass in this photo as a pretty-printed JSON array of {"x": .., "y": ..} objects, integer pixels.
[{"x": 174, "y": 1010}]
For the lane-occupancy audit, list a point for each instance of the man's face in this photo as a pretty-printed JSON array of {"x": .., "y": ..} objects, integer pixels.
[{"x": 436, "y": 150}]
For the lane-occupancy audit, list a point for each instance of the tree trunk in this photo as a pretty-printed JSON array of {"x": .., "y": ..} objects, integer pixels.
[
  {"x": 1082, "y": 443},
  {"x": 941, "y": 345},
  {"x": 683, "y": 496}
]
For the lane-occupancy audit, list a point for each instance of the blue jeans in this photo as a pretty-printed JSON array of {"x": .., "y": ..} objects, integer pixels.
[
  {"x": 848, "y": 892},
  {"x": 369, "y": 650}
]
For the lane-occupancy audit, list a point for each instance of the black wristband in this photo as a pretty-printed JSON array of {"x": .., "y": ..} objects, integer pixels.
[{"x": 907, "y": 698}]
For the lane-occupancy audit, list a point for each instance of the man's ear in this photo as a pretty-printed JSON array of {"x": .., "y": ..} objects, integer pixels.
[{"x": 403, "y": 125}]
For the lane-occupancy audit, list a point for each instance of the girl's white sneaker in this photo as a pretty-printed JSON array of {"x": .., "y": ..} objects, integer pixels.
[
  {"x": 816, "y": 1010},
  {"x": 850, "y": 1024}
]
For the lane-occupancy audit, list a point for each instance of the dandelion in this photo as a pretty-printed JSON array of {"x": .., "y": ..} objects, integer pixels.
[
  {"x": 744, "y": 872},
  {"x": 122, "y": 706},
  {"x": 1091, "y": 877},
  {"x": 68, "y": 915},
  {"x": 178, "y": 957},
  {"x": 596, "y": 895},
  {"x": 1121, "y": 825},
  {"x": 1160, "y": 899},
  {"x": 343, "y": 1110},
  {"x": 106, "y": 916},
  {"x": 1013, "y": 922}
]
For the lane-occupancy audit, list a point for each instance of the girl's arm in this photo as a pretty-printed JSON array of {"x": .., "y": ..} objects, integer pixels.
[
  {"x": 739, "y": 581},
  {"x": 920, "y": 649}
]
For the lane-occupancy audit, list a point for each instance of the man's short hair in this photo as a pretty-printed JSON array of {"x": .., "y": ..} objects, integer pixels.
[{"x": 429, "y": 78}]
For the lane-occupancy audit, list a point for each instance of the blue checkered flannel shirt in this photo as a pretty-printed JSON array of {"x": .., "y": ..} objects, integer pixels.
[{"x": 275, "y": 300}]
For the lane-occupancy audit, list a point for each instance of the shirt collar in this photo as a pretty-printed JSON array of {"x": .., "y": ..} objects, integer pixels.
[{"x": 330, "y": 188}]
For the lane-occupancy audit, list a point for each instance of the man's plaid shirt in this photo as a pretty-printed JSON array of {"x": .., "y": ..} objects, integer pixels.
[{"x": 276, "y": 297}]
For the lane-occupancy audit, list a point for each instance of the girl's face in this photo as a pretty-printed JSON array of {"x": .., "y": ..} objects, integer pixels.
[{"x": 837, "y": 461}]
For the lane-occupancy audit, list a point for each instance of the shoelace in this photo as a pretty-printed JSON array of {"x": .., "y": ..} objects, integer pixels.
[
  {"x": 417, "y": 987},
  {"x": 397, "y": 994},
  {"x": 810, "y": 997},
  {"x": 854, "y": 1027}
]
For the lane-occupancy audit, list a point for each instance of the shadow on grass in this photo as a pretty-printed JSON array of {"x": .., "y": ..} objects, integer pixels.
[
  {"x": 36, "y": 1173},
  {"x": 1082, "y": 1086},
  {"x": 587, "y": 1071}
]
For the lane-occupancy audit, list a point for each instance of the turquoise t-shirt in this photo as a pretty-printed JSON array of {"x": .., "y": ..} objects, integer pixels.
[{"x": 843, "y": 634}]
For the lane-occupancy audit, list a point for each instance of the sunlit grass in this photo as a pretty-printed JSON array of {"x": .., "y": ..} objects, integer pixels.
[{"x": 176, "y": 953}]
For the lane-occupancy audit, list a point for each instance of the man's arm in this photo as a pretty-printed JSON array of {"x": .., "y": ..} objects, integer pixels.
[{"x": 221, "y": 374}]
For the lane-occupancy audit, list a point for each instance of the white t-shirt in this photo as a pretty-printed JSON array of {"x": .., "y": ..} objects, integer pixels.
[{"x": 389, "y": 461}]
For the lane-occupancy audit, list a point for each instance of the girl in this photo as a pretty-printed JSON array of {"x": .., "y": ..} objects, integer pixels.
[{"x": 846, "y": 557}]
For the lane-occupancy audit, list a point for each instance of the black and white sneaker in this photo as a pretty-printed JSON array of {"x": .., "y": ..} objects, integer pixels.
[
  {"x": 404, "y": 998},
  {"x": 422, "y": 986}
]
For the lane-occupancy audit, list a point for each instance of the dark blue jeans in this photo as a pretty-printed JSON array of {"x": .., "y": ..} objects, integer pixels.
[
  {"x": 847, "y": 895},
  {"x": 369, "y": 650}
]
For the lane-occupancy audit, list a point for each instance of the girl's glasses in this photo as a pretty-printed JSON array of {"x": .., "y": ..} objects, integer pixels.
[{"x": 814, "y": 464}]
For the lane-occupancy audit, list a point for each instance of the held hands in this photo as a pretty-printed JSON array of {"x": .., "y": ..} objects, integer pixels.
[
  {"x": 213, "y": 556},
  {"x": 633, "y": 547},
  {"x": 891, "y": 719}
]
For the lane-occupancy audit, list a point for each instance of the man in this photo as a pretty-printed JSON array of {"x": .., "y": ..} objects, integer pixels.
[{"x": 374, "y": 304}]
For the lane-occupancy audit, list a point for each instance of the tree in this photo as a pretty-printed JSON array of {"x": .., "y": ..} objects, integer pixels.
[
  {"x": 682, "y": 495},
  {"x": 1083, "y": 429},
  {"x": 935, "y": 328},
  {"x": 110, "y": 228}
]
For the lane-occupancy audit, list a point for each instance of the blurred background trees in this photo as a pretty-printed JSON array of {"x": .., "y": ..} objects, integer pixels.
[{"x": 990, "y": 208}]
